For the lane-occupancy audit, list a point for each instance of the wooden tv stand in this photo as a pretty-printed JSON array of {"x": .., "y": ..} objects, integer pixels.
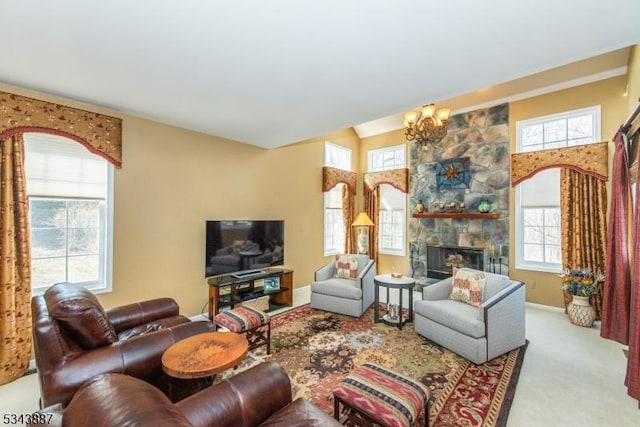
[{"x": 227, "y": 290}]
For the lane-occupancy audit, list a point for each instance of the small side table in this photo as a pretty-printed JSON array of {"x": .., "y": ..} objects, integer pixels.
[
  {"x": 389, "y": 282},
  {"x": 197, "y": 359}
]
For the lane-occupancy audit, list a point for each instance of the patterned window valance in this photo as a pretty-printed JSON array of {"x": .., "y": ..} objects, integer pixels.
[
  {"x": 333, "y": 176},
  {"x": 590, "y": 159},
  {"x": 100, "y": 134},
  {"x": 398, "y": 178}
]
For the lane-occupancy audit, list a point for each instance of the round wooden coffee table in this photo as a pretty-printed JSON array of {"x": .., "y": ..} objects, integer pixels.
[{"x": 204, "y": 355}]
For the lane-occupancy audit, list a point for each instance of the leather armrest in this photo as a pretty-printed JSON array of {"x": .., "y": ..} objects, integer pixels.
[
  {"x": 131, "y": 315},
  {"x": 140, "y": 356},
  {"x": 248, "y": 398}
]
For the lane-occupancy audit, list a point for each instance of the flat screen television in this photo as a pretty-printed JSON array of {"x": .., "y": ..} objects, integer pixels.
[{"x": 239, "y": 246}]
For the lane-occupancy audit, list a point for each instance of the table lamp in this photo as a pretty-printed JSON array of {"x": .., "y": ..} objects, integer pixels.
[{"x": 362, "y": 223}]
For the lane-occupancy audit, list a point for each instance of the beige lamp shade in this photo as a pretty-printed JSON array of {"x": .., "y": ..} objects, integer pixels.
[{"x": 362, "y": 220}]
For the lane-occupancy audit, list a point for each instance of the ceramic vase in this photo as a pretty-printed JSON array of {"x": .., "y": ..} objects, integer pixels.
[{"x": 581, "y": 312}]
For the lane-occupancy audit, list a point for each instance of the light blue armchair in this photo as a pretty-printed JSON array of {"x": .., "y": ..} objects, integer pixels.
[
  {"x": 476, "y": 333},
  {"x": 351, "y": 297}
]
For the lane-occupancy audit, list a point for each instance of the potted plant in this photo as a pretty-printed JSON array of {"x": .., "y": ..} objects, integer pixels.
[{"x": 581, "y": 283}]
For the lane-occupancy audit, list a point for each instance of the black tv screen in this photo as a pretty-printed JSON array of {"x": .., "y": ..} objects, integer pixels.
[{"x": 233, "y": 246}]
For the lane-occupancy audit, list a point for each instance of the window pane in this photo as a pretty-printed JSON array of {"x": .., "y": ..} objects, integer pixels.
[
  {"x": 553, "y": 255},
  {"x": 47, "y": 271},
  {"x": 552, "y": 217},
  {"x": 533, "y": 253},
  {"x": 84, "y": 241},
  {"x": 47, "y": 213},
  {"x": 555, "y": 131},
  {"x": 532, "y": 135},
  {"x": 533, "y": 217},
  {"x": 48, "y": 242},
  {"x": 552, "y": 236},
  {"x": 84, "y": 213},
  {"x": 580, "y": 127},
  {"x": 84, "y": 268},
  {"x": 533, "y": 235}
]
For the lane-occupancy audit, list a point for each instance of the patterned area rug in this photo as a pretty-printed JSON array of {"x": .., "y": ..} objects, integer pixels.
[{"x": 318, "y": 349}]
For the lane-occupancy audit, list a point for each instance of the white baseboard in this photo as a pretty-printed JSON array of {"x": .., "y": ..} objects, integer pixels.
[{"x": 545, "y": 307}]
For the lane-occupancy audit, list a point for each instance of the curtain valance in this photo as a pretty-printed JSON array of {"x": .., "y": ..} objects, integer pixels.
[
  {"x": 100, "y": 134},
  {"x": 333, "y": 176},
  {"x": 590, "y": 159},
  {"x": 398, "y": 178}
]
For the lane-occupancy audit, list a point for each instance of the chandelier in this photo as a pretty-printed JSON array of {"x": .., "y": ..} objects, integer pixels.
[{"x": 424, "y": 126}]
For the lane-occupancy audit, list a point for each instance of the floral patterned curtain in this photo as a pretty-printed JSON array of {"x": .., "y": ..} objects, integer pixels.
[
  {"x": 332, "y": 177},
  {"x": 583, "y": 207},
  {"x": 397, "y": 178},
  {"x": 15, "y": 258}
]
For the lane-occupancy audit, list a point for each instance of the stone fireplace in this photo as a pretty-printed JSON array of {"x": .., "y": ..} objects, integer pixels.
[{"x": 479, "y": 142}]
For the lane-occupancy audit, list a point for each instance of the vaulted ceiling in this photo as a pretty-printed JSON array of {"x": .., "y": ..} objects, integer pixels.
[{"x": 271, "y": 73}]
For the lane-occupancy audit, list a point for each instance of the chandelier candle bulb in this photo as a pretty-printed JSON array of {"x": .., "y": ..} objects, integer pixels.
[
  {"x": 427, "y": 110},
  {"x": 443, "y": 114}
]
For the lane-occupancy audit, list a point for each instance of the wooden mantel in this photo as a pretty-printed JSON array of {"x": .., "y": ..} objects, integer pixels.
[{"x": 456, "y": 214}]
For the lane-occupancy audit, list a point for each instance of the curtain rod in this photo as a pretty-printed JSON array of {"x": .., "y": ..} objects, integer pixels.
[{"x": 624, "y": 128}]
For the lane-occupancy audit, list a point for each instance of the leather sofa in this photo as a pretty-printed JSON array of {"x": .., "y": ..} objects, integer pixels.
[
  {"x": 75, "y": 339},
  {"x": 259, "y": 396}
]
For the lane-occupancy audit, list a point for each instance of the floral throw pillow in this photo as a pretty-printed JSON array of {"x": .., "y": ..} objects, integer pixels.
[
  {"x": 468, "y": 286},
  {"x": 346, "y": 267}
]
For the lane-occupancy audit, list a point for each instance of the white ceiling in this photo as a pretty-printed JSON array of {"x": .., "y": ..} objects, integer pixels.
[{"x": 271, "y": 73}]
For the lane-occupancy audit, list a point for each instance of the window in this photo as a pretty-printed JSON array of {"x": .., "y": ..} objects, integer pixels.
[
  {"x": 334, "y": 237},
  {"x": 393, "y": 202},
  {"x": 70, "y": 192},
  {"x": 538, "y": 198}
]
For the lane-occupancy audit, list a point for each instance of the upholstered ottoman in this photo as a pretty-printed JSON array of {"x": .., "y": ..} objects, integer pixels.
[
  {"x": 255, "y": 324},
  {"x": 373, "y": 394}
]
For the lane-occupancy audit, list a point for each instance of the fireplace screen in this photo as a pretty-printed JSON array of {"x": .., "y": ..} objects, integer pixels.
[{"x": 441, "y": 260}]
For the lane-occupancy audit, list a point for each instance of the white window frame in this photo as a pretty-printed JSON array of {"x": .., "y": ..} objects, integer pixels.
[
  {"x": 521, "y": 125},
  {"x": 105, "y": 284},
  {"x": 396, "y": 159},
  {"x": 338, "y": 157}
]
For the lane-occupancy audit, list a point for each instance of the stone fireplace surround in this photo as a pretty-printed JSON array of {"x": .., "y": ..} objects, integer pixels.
[{"x": 483, "y": 137}]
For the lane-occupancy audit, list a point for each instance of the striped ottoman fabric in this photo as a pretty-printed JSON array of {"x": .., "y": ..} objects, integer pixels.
[
  {"x": 383, "y": 396},
  {"x": 247, "y": 320}
]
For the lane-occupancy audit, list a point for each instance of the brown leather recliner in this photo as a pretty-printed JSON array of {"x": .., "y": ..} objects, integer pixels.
[
  {"x": 75, "y": 339},
  {"x": 259, "y": 396}
]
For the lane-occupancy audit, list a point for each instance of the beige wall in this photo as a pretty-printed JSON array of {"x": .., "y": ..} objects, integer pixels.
[
  {"x": 633, "y": 78},
  {"x": 173, "y": 180},
  {"x": 544, "y": 288}
]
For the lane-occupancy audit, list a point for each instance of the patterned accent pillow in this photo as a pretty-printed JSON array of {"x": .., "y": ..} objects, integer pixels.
[
  {"x": 468, "y": 286},
  {"x": 346, "y": 267}
]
